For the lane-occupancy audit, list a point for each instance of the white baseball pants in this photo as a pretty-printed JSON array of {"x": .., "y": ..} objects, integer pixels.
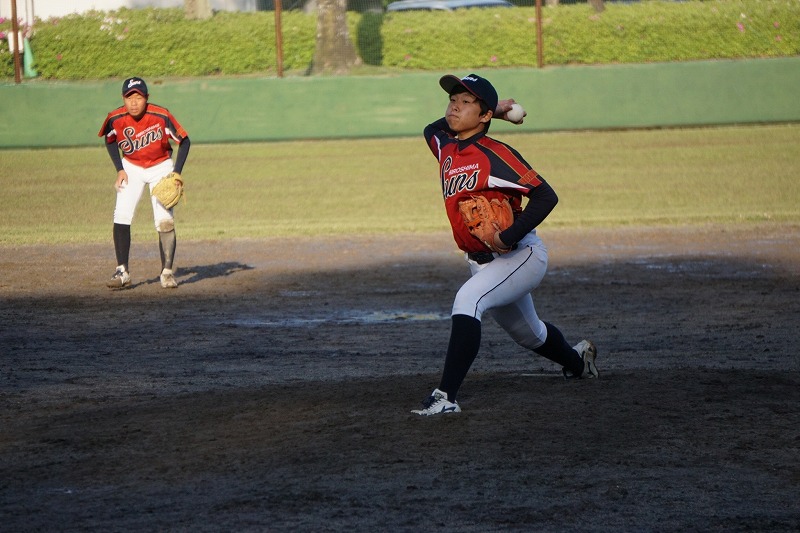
[
  {"x": 504, "y": 286},
  {"x": 130, "y": 194}
]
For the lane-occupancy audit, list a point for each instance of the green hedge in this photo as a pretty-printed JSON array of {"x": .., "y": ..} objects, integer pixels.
[{"x": 161, "y": 42}]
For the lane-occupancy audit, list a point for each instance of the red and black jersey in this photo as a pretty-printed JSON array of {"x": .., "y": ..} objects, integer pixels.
[
  {"x": 483, "y": 166},
  {"x": 143, "y": 142}
]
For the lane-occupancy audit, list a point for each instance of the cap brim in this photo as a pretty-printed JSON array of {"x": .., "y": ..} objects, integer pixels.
[
  {"x": 449, "y": 82},
  {"x": 134, "y": 91}
]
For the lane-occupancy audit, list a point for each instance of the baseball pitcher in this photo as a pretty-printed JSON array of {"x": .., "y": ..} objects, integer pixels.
[{"x": 483, "y": 181}]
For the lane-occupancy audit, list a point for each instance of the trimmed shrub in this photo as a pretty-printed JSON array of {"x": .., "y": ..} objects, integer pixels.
[{"x": 162, "y": 42}]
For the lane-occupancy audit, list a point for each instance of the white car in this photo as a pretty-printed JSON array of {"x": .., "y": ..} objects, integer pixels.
[{"x": 444, "y": 5}]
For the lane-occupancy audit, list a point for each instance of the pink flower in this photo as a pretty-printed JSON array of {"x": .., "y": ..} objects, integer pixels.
[
  {"x": 407, "y": 57},
  {"x": 740, "y": 26},
  {"x": 2, "y": 20},
  {"x": 494, "y": 59},
  {"x": 778, "y": 38},
  {"x": 2, "y": 35},
  {"x": 58, "y": 57},
  {"x": 776, "y": 24}
]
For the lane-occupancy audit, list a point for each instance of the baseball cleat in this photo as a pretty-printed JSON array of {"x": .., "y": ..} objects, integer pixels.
[
  {"x": 588, "y": 352},
  {"x": 437, "y": 404},
  {"x": 121, "y": 278},
  {"x": 168, "y": 280}
]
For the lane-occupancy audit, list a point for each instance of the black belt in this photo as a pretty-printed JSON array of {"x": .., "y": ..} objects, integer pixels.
[{"x": 484, "y": 257}]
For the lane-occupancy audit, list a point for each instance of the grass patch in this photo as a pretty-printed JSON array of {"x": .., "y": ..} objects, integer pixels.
[{"x": 385, "y": 186}]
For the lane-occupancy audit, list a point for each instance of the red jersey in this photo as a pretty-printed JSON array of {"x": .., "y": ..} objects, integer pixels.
[
  {"x": 143, "y": 142},
  {"x": 479, "y": 165}
]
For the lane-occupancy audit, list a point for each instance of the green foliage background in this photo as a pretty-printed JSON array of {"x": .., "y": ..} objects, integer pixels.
[{"x": 162, "y": 42}]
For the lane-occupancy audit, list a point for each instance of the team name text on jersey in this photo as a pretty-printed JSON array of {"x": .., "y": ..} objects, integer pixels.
[
  {"x": 458, "y": 179},
  {"x": 132, "y": 142}
]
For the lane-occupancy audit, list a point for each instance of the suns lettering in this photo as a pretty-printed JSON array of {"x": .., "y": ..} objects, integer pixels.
[
  {"x": 458, "y": 179},
  {"x": 459, "y": 182},
  {"x": 130, "y": 143},
  {"x": 446, "y": 164}
]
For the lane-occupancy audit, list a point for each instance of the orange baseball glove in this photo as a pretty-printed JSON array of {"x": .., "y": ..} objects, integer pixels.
[{"x": 485, "y": 217}]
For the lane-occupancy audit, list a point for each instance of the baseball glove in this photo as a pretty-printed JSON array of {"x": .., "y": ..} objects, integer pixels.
[
  {"x": 169, "y": 190},
  {"x": 485, "y": 217}
]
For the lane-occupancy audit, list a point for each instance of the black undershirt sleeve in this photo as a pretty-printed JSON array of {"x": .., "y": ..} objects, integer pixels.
[
  {"x": 541, "y": 201},
  {"x": 431, "y": 129},
  {"x": 441, "y": 124},
  {"x": 183, "y": 151},
  {"x": 113, "y": 151}
]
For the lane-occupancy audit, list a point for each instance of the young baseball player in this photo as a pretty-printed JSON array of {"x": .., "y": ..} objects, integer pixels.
[
  {"x": 507, "y": 263},
  {"x": 138, "y": 136}
]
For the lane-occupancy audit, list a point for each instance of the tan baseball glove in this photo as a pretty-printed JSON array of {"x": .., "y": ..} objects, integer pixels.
[
  {"x": 169, "y": 190},
  {"x": 485, "y": 217}
]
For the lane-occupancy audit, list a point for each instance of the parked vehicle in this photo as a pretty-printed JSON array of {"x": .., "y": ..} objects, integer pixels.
[{"x": 444, "y": 5}]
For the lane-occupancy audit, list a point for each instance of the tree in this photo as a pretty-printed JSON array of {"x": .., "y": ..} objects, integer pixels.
[
  {"x": 197, "y": 9},
  {"x": 598, "y": 5},
  {"x": 335, "y": 53}
]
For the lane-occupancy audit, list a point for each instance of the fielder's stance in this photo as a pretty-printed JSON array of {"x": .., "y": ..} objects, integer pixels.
[
  {"x": 142, "y": 131},
  {"x": 483, "y": 181}
]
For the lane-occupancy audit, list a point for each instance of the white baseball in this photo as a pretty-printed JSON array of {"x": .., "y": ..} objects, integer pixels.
[{"x": 515, "y": 114}]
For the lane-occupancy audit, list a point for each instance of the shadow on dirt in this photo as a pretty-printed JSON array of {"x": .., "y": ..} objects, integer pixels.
[{"x": 205, "y": 272}]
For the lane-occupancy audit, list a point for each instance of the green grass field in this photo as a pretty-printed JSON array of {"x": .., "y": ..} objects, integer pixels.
[{"x": 309, "y": 188}]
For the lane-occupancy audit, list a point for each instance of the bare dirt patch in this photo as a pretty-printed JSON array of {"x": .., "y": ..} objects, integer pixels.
[{"x": 272, "y": 389}]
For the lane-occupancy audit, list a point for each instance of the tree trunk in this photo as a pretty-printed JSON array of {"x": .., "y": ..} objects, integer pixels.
[
  {"x": 197, "y": 9},
  {"x": 335, "y": 53},
  {"x": 598, "y": 5}
]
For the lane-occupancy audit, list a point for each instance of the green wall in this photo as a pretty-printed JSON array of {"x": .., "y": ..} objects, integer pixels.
[{"x": 47, "y": 114}]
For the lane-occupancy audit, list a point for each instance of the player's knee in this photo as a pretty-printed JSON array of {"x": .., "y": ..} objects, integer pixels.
[
  {"x": 530, "y": 336},
  {"x": 122, "y": 217},
  {"x": 464, "y": 305},
  {"x": 528, "y": 340},
  {"x": 166, "y": 225}
]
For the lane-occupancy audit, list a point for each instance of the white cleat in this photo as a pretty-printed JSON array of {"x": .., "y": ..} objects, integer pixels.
[
  {"x": 588, "y": 352},
  {"x": 437, "y": 404},
  {"x": 121, "y": 278},
  {"x": 168, "y": 280}
]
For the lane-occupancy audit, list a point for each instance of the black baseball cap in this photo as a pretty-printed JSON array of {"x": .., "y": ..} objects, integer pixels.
[
  {"x": 479, "y": 87},
  {"x": 134, "y": 85}
]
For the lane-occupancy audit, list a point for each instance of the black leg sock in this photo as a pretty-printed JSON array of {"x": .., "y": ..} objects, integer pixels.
[
  {"x": 166, "y": 247},
  {"x": 122, "y": 243},
  {"x": 556, "y": 349},
  {"x": 465, "y": 341}
]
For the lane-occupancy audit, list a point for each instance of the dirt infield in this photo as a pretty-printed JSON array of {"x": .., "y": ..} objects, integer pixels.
[{"x": 272, "y": 389}]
